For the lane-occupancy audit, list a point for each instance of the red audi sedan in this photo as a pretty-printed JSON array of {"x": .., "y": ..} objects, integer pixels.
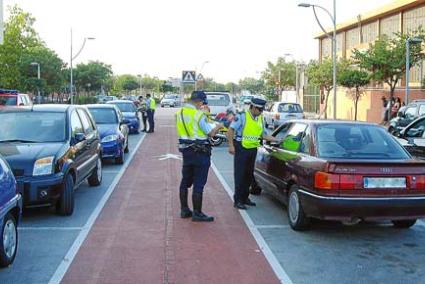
[{"x": 341, "y": 170}]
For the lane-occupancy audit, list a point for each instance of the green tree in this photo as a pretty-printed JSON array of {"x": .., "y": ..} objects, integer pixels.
[
  {"x": 19, "y": 36},
  {"x": 255, "y": 86},
  {"x": 52, "y": 76},
  {"x": 356, "y": 79},
  {"x": 386, "y": 58},
  {"x": 279, "y": 76},
  {"x": 93, "y": 76},
  {"x": 321, "y": 75}
]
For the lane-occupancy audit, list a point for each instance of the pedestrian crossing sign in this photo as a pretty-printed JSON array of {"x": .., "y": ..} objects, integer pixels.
[{"x": 189, "y": 77}]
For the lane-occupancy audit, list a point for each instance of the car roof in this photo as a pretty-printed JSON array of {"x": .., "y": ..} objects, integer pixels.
[
  {"x": 41, "y": 108},
  {"x": 331, "y": 121},
  {"x": 120, "y": 101},
  {"x": 106, "y": 106}
]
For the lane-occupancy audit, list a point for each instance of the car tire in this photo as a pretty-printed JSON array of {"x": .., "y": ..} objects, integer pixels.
[
  {"x": 162, "y": 105},
  {"x": 403, "y": 224},
  {"x": 126, "y": 145},
  {"x": 9, "y": 243},
  {"x": 65, "y": 204},
  {"x": 296, "y": 216},
  {"x": 96, "y": 177},
  {"x": 255, "y": 189},
  {"x": 120, "y": 160},
  {"x": 215, "y": 141}
]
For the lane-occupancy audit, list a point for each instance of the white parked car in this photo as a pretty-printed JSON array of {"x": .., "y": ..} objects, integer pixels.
[
  {"x": 281, "y": 111},
  {"x": 171, "y": 101},
  {"x": 219, "y": 102}
]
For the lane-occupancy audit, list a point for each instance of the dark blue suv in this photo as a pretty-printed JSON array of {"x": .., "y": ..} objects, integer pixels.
[
  {"x": 10, "y": 214},
  {"x": 51, "y": 149}
]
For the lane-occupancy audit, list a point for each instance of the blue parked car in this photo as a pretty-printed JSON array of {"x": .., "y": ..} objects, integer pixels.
[
  {"x": 113, "y": 131},
  {"x": 52, "y": 149},
  {"x": 10, "y": 214},
  {"x": 129, "y": 110}
]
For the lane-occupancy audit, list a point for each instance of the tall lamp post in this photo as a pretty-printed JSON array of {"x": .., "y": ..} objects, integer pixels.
[
  {"x": 409, "y": 41},
  {"x": 72, "y": 57},
  {"x": 38, "y": 77},
  {"x": 333, "y": 38},
  {"x": 200, "y": 70}
]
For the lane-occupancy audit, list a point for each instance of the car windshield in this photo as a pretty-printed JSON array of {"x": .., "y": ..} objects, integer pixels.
[
  {"x": 291, "y": 108},
  {"x": 218, "y": 99},
  {"x": 169, "y": 97},
  {"x": 357, "y": 141},
  {"x": 8, "y": 100},
  {"x": 126, "y": 107},
  {"x": 104, "y": 115},
  {"x": 32, "y": 127}
]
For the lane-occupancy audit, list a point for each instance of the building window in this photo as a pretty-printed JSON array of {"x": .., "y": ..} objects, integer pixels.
[
  {"x": 352, "y": 38},
  {"x": 414, "y": 18},
  {"x": 370, "y": 32},
  {"x": 326, "y": 48},
  {"x": 390, "y": 25}
]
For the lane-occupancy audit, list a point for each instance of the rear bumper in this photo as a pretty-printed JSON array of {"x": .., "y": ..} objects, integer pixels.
[
  {"x": 40, "y": 189},
  {"x": 365, "y": 208}
]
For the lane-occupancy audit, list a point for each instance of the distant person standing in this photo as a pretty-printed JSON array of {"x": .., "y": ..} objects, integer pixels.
[
  {"x": 396, "y": 106},
  {"x": 151, "y": 105},
  {"x": 143, "y": 110},
  {"x": 384, "y": 115}
]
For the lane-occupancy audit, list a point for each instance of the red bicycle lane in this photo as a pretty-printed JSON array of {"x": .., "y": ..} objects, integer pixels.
[{"x": 139, "y": 236}]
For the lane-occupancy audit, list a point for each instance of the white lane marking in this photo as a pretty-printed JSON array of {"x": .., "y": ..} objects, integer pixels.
[
  {"x": 49, "y": 228},
  {"x": 271, "y": 258},
  {"x": 72, "y": 252},
  {"x": 272, "y": 226}
]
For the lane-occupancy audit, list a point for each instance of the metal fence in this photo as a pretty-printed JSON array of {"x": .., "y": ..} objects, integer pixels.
[{"x": 311, "y": 99}]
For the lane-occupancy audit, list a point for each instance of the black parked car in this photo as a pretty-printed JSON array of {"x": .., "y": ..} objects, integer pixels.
[
  {"x": 51, "y": 149},
  {"x": 406, "y": 115},
  {"x": 413, "y": 138}
]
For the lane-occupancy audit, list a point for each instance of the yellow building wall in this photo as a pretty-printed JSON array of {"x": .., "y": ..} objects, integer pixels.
[{"x": 345, "y": 105}]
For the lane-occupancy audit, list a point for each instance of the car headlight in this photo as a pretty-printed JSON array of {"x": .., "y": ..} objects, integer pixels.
[
  {"x": 109, "y": 138},
  {"x": 43, "y": 166}
]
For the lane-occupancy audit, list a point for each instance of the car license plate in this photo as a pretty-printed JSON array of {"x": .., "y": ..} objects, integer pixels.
[{"x": 372, "y": 182}]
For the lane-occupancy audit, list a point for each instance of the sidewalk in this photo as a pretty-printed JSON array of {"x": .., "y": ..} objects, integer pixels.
[{"x": 140, "y": 238}]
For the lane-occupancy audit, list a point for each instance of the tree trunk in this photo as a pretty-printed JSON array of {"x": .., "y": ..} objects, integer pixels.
[
  {"x": 324, "y": 113},
  {"x": 356, "y": 101}
]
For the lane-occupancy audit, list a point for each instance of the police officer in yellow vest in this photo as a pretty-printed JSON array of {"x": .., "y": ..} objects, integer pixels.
[
  {"x": 193, "y": 130},
  {"x": 151, "y": 105},
  {"x": 244, "y": 136}
]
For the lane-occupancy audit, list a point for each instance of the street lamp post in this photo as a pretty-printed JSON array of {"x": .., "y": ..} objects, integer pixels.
[
  {"x": 73, "y": 57},
  {"x": 200, "y": 70},
  {"x": 333, "y": 38},
  {"x": 408, "y": 42},
  {"x": 38, "y": 77}
]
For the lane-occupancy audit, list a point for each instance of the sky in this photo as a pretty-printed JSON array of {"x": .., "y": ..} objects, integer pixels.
[{"x": 164, "y": 37}]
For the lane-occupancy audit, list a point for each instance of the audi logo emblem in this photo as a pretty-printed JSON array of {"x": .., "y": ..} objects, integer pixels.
[{"x": 386, "y": 170}]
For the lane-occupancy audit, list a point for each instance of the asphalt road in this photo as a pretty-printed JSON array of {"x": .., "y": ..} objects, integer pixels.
[
  {"x": 45, "y": 238},
  {"x": 331, "y": 252}
]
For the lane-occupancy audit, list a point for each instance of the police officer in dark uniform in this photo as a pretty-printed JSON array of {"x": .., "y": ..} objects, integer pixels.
[
  {"x": 193, "y": 131},
  {"x": 244, "y": 136}
]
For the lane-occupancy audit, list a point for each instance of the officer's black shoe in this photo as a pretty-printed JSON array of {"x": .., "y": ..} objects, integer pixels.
[
  {"x": 239, "y": 205},
  {"x": 144, "y": 130},
  {"x": 250, "y": 203},
  {"x": 201, "y": 217},
  {"x": 197, "y": 215},
  {"x": 185, "y": 213}
]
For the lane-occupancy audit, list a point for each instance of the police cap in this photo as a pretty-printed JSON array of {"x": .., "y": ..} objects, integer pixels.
[
  {"x": 199, "y": 96},
  {"x": 258, "y": 103}
]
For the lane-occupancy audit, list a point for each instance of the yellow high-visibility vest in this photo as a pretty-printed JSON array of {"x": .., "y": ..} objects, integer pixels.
[
  {"x": 152, "y": 104},
  {"x": 252, "y": 131},
  {"x": 191, "y": 117}
]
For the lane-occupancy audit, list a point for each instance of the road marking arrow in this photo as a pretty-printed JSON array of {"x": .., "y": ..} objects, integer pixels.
[{"x": 169, "y": 156}]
